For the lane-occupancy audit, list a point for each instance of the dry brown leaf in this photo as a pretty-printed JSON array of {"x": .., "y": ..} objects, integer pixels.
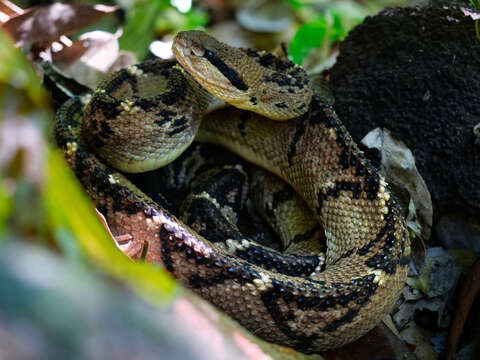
[
  {"x": 45, "y": 24},
  {"x": 89, "y": 58},
  {"x": 8, "y": 10}
]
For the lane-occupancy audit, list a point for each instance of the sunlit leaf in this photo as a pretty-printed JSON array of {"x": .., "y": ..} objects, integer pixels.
[
  {"x": 70, "y": 210},
  {"x": 172, "y": 21},
  {"x": 5, "y": 208},
  {"x": 17, "y": 72},
  {"x": 138, "y": 31}
]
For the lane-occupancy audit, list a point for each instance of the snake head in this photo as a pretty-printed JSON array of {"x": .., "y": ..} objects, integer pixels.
[
  {"x": 212, "y": 63},
  {"x": 248, "y": 79}
]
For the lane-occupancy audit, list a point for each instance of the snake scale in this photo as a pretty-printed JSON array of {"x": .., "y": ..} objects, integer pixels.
[{"x": 292, "y": 300}]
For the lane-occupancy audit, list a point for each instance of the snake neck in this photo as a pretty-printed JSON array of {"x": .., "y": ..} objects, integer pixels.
[
  {"x": 207, "y": 102},
  {"x": 212, "y": 103}
]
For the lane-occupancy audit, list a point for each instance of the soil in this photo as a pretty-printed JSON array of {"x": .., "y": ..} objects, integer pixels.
[{"x": 416, "y": 71}]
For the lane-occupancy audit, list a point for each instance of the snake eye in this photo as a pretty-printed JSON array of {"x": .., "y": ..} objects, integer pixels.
[{"x": 208, "y": 54}]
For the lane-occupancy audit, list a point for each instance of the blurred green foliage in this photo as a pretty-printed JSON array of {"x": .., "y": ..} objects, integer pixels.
[
  {"x": 17, "y": 73},
  {"x": 48, "y": 206},
  {"x": 326, "y": 29},
  {"x": 5, "y": 208},
  {"x": 147, "y": 18},
  {"x": 73, "y": 218},
  {"x": 324, "y": 23}
]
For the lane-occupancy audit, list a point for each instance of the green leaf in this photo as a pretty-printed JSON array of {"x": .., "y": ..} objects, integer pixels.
[
  {"x": 173, "y": 21},
  {"x": 17, "y": 72},
  {"x": 331, "y": 26},
  {"x": 5, "y": 208},
  {"x": 295, "y": 4},
  {"x": 345, "y": 15},
  {"x": 308, "y": 37},
  {"x": 139, "y": 32}
]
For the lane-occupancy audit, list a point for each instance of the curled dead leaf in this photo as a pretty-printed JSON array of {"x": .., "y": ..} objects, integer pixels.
[{"x": 41, "y": 25}]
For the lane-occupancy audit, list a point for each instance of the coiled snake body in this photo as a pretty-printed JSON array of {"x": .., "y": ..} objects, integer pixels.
[{"x": 284, "y": 299}]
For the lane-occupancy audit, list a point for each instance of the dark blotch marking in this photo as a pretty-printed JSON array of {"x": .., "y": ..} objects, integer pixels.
[
  {"x": 293, "y": 265},
  {"x": 119, "y": 79},
  {"x": 279, "y": 197},
  {"x": 180, "y": 122},
  {"x": 178, "y": 85},
  {"x": 299, "y": 132},
  {"x": 348, "y": 317},
  {"x": 270, "y": 300},
  {"x": 321, "y": 197},
  {"x": 371, "y": 186},
  {"x": 241, "y": 128},
  {"x": 267, "y": 60},
  {"x": 386, "y": 229},
  {"x": 322, "y": 113},
  {"x": 106, "y": 130},
  {"x": 271, "y": 61},
  {"x": 146, "y": 104},
  {"x": 238, "y": 273},
  {"x": 283, "y": 292},
  {"x": 215, "y": 230},
  {"x": 177, "y": 130},
  {"x": 166, "y": 115},
  {"x": 334, "y": 192},
  {"x": 251, "y": 52},
  {"x": 382, "y": 261},
  {"x": 281, "y": 79},
  {"x": 344, "y": 159},
  {"x": 231, "y": 74},
  {"x": 108, "y": 106},
  {"x": 244, "y": 116},
  {"x": 151, "y": 212},
  {"x": 157, "y": 67}
]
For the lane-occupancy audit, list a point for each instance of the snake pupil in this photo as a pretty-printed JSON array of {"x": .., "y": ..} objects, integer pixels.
[{"x": 209, "y": 54}]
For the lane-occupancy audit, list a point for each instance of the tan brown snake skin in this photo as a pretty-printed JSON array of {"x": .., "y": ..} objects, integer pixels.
[{"x": 282, "y": 299}]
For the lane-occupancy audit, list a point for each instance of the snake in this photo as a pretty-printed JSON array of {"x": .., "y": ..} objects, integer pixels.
[{"x": 145, "y": 115}]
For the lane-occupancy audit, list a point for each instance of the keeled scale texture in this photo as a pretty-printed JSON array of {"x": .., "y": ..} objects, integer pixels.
[{"x": 290, "y": 303}]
